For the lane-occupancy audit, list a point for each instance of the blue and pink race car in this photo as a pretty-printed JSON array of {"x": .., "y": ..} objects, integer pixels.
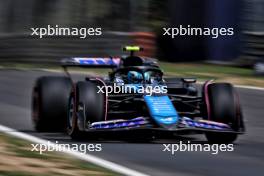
[{"x": 134, "y": 99}]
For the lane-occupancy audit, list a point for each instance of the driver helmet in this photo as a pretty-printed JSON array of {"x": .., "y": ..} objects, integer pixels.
[
  {"x": 152, "y": 78},
  {"x": 134, "y": 77}
]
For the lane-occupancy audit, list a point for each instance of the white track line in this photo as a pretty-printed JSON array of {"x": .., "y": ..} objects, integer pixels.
[
  {"x": 86, "y": 157},
  {"x": 249, "y": 87}
]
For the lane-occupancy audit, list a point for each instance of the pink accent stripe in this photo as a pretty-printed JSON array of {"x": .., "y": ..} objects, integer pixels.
[
  {"x": 75, "y": 106},
  {"x": 106, "y": 100},
  {"x": 207, "y": 83},
  {"x": 238, "y": 110}
]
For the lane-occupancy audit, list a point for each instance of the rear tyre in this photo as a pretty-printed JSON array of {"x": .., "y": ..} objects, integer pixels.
[
  {"x": 222, "y": 107},
  {"x": 88, "y": 106},
  {"x": 50, "y": 102}
]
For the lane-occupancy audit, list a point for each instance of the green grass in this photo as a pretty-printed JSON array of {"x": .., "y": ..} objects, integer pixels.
[
  {"x": 190, "y": 69},
  {"x": 202, "y": 71},
  {"x": 21, "y": 150},
  {"x": 19, "y": 173},
  {"x": 14, "y": 173},
  {"x": 18, "y": 147}
]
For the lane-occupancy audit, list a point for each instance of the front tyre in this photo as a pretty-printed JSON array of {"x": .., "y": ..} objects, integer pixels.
[
  {"x": 86, "y": 106},
  {"x": 222, "y": 105}
]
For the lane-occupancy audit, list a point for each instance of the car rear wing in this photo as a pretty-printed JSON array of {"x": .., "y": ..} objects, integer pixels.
[{"x": 89, "y": 62}]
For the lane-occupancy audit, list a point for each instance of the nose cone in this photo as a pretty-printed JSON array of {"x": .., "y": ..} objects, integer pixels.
[{"x": 162, "y": 110}]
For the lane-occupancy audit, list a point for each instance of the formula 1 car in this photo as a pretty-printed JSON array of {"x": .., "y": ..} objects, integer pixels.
[{"x": 134, "y": 97}]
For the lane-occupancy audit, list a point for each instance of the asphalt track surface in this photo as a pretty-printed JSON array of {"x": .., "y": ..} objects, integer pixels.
[{"x": 246, "y": 159}]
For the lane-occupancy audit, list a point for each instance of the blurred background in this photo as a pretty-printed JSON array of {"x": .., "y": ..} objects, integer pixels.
[{"x": 133, "y": 22}]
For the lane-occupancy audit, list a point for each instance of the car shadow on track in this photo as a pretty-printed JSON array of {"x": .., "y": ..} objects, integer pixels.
[{"x": 63, "y": 138}]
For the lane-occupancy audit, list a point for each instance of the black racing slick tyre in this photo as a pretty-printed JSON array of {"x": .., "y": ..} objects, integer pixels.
[
  {"x": 86, "y": 106},
  {"x": 50, "y": 102},
  {"x": 222, "y": 106}
]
